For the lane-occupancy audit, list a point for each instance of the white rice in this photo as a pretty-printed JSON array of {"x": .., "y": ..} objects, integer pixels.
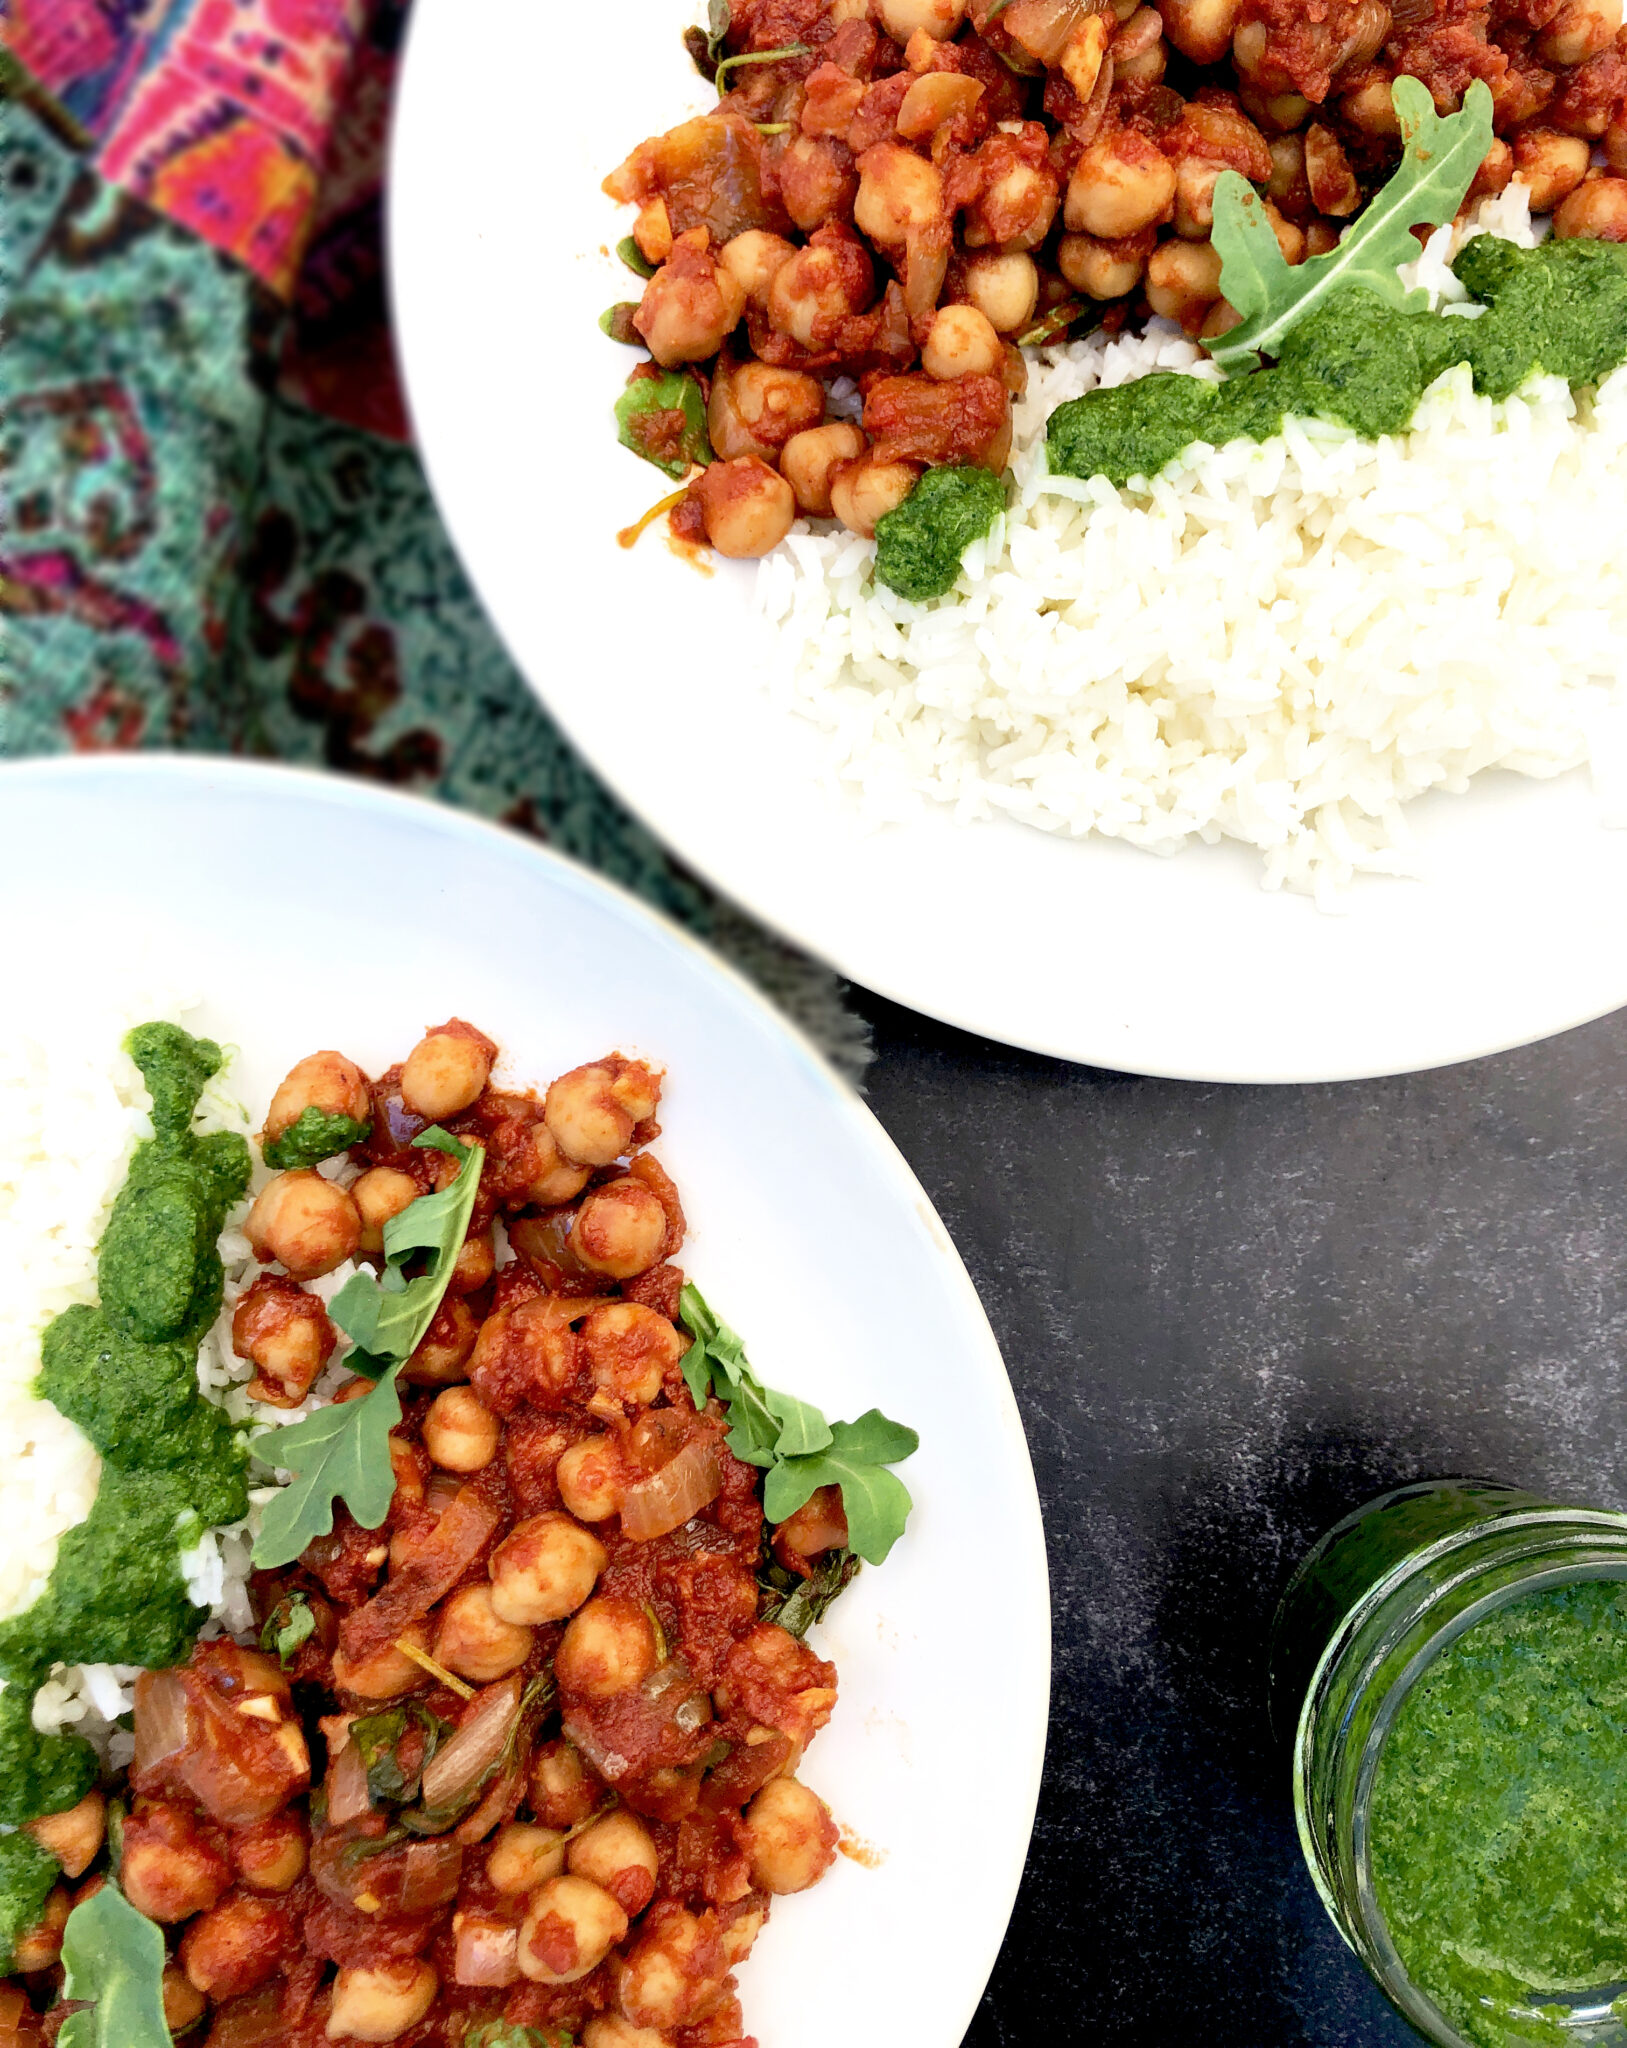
[
  {"x": 73, "y": 1108},
  {"x": 1279, "y": 643}
]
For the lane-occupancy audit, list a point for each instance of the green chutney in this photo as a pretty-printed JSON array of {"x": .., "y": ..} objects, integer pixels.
[
  {"x": 1560, "y": 308},
  {"x": 920, "y": 543},
  {"x": 173, "y": 1464},
  {"x": 1498, "y": 1843}
]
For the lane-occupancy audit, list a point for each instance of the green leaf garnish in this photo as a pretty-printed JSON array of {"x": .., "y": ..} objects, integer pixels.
[
  {"x": 757, "y": 57},
  {"x": 386, "y": 1319},
  {"x": 511, "y": 2034},
  {"x": 342, "y": 1452},
  {"x": 1440, "y": 157},
  {"x": 289, "y": 1624},
  {"x": 663, "y": 418},
  {"x": 114, "y": 1958},
  {"x": 792, "y": 1442},
  {"x": 797, "y": 1603},
  {"x": 617, "y": 322},
  {"x": 634, "y": 257},
  {"x": 314, "y": 1135}
]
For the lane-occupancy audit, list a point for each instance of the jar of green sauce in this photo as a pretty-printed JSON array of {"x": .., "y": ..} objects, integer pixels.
[{"x": 1451, "y": 1665}]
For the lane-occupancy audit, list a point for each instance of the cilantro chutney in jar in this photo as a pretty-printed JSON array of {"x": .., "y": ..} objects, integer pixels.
[{"x": 1451, "y": 1661}]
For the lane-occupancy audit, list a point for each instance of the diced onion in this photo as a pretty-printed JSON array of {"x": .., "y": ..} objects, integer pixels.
[
  {"x": 348, "y": 1797},
  {"x": 160, "y": 1720},
  {"x": 666, "y": 1499},
  {"x": 487, "y": 1952},
  {"x": 1042, "y": 27}
]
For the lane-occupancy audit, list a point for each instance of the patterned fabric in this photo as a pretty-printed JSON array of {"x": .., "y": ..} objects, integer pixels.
[{"x": 213, "y": 532}]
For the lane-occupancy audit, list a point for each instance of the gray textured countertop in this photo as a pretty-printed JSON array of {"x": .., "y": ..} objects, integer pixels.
[{"x": 1230, "y": 1315}]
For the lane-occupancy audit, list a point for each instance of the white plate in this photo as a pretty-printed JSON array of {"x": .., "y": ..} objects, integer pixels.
[
  {"x": 308, "y": 911},
  {"x": 506, "y": 122}
]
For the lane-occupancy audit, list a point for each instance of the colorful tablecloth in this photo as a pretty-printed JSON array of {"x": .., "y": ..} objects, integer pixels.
[{"x": 214, "y": 531}]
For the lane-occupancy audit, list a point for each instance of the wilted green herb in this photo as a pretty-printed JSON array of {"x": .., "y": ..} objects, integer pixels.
[
  {"x": 634, "y": 257},
  {"x": 757, "y": 57},
  {"x": 663, "y": 418},
  {"x": 617, "y": 322},
  {"x": 793, "y": 1443},
  {"x": 378, "y": 1738},
  {"x": 797, "y": 1603},
  {"x": 289, "y": 1624}
]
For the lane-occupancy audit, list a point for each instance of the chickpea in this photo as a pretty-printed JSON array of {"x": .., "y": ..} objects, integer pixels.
[
  {"x": 387, "y": 1673},
  {"x": 621, "y": 1228},
  {"x": 1286, "y": 188},
  {"x": 754, "y": 260},
  {"x": 1200, "y": 29},
  {"x": 610, "y": 2030},
  {"x": 589, "y": 1479},
  {"x": 474, "y": 1265},
  {"x": 74, "y": 1835},
  {"x": 1004, "y": 287},
  {"x": 1290, "y": 238},
  {"x": 444, "y": 1073},
  {"x": 820, "y": 287},
  {"x": 169, "y": 1869},
  {"x": 444, "y": 1352},
  {"x": 1321, "y": 236},
  {"x": 570, "y": 1927},
  {"x": 324, "y": 1081},
  {"x": 1581, "y": 29},
  {"x": 547, "y": 1177},
  {"x": 308, "y": 1225},
  {"x": 936, "y": 18},
  {"x": 790, "y": 1838},
  {"x": 1597, "y": 208},
  {"x": 1550, "y": 164},
  {"x": 1371, "y": 109},
  {"x": 39, "y": 1946},
  {"x": 380, "y": 1193},
  {"x": 1334, "y": 189},
  {"x": 691, "y": 306},
  {"x": 544, "y": 1568},
  {"x": 739, "y": 1937},
  {"x": 460, "y": 1432},
  {"x": 660, "y": 1984},
  {"x": 629, "y": 1349},
  {"x": 561, "y": 1792},
  {"x": 816, "y": 180},
  {"x": 1495, "y": 173},
  {"x": 608, "y": 1648},
  {"x": 748, "y": 509},
  {"x": 754, "y": 408},
  {"x": 234, "y": 1947},
  {"x": 475, "y": 1642},
  {"x": 1102, "y": 270},
  {"x": 1220, "y": 319},
  {"x": 270, "y": 1856},
  {"x": 1120, "y": 184},
  {"x": 1183, "y": 279},
  {"x": 184, "y": 2004},
  {"x": 898, "y": 190},
  {"x": 1139, "y": 55},
  {"x": 961, "y": 343},
  {"x": 380, "y": 2001},
  {"x": 864, "y": 491},
  {"x": 286, "y": 1334},
  {"x": 585, "y": 1119},
  {"x": 618, "y": 1854},
  {"x": 1615, "y": 143},
  {"x": 1195, "y": 181},
  {"x": 807, "y": 459},
  {"x": 522, "y": 1857}
]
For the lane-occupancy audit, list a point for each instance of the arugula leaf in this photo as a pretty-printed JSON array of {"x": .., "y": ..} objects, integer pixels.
[
  {"x": 378, "y": 1738},
  {"x": 289, "y": 1624},
  {"x": 793, "y": 1443},
  {"x": 634, "y": 257},
  {"x": 1440, "y": 157},
  {"x": 663, "y": 418},
  {"x": 114, "y": 1957},
  {"x": 875, "y": 1502},
  {"x": 342, "y": 1452},
  {"x": 386, "y": 1319},
  {"x": 617, "y": 322}
]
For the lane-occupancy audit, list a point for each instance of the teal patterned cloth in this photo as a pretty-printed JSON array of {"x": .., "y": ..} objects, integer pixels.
[{"x": 214, "y": 535}]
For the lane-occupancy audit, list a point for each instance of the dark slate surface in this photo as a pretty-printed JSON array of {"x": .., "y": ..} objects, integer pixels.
[{"x": 1231, "y": 1314}]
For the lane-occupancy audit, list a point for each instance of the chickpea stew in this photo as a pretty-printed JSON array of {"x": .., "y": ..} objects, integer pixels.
[
  {"x": 893, "y": 198},
  {"x": 511, "y": 1757}
]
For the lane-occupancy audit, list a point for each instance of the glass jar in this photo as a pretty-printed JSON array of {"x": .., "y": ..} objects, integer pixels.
[{"x": 1372, "y": 1605}]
